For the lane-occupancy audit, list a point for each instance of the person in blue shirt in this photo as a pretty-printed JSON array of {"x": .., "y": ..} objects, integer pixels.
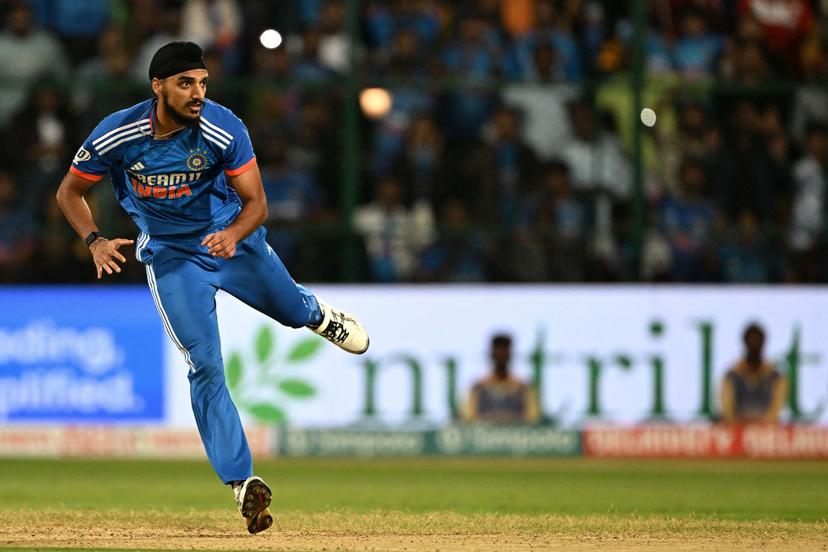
[{"x": 183, "y": 167}]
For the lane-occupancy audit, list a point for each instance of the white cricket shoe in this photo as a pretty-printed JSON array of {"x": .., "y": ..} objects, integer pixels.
[
  {"x": 253, "y": 499},
  {"x": 342, "y": 329}
]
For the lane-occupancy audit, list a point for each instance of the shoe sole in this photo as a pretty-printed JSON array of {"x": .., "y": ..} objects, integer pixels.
[
  {"x": 260, "y": 522},
  {"x": 255, "y": 508}
]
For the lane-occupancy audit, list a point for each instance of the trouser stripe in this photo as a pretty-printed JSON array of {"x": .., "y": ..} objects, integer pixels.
[
  {"x": 143, "y": 239},
  {"x": 165, "y": 319}
]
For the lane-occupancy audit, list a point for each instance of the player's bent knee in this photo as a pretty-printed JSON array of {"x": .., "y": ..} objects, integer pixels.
[{"x": 207, "y": 375}]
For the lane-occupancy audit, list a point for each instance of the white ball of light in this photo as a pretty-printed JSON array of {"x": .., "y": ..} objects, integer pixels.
[
  {"x": 648, "y": 117},
  {"x": 270, "y": 39},
  {"x": 375, "y": 102}
]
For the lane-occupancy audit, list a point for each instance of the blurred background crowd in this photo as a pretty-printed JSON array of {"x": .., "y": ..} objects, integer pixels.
[{"x": 510, "y": 151}]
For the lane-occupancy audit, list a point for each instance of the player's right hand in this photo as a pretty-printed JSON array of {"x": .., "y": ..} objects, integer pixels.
[{"x": 105, "y": 254}]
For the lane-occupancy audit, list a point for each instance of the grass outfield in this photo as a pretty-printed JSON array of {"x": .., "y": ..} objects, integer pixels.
[{"x": 420, "y": 504}]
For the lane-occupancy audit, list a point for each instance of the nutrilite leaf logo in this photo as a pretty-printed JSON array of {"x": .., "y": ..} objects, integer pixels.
[{"x": 263, "y": 382}]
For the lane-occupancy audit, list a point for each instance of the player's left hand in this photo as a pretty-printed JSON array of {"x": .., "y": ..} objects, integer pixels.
[{"x": 221, "y": 243}]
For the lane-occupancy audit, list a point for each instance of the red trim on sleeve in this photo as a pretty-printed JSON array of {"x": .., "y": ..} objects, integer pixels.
[
  {"x": 238, "y": 170},
  {"x": 86, "y": 176}
]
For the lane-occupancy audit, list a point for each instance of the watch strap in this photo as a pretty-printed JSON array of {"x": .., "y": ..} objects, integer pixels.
[{"x": 90, "y": 239}]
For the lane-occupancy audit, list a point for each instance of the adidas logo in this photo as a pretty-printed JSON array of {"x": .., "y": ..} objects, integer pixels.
[{"x": 137, "y": 166}]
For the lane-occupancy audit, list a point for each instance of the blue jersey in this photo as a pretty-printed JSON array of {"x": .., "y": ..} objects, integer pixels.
[{"x": 175, "y": 187}]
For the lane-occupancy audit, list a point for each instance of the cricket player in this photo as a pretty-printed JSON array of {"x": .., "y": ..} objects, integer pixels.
[{"x": 183, "y": 167}]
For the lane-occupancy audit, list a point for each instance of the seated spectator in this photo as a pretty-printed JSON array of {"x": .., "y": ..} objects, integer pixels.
[
  {"x": 545, "y": 126},
  {"x": 500, "y": 397},
  {"x": 744, "y": 256},
  {"x": 273, "y": 64},
  {"x": 410, "y": 98},
  {"x": 753, "y": 390},
  {"x": 26, "y": 55},
  {"x": 405, "y": 60},
  {"x": 293, "y": 196},
  {"x": 42, "y": 131},
  {"x": 458, "y": 254},
  {"x": 394, "y": 234},
  {"x": 746, "y": 63},
  {"x": 552, "y": 40},
  {"x": 77, "y": 22},
  {"x": 476, "y": 53},
  {"x": 59, "y": 256},
  {"x": 307, "y": 65},
  {"x": 744, "y": 172},
  {"x": 697, "y": 50},
  {"x": 17, "y": 232},
  {"x": 812, "y": 56},
  {"x": 594, "y": 156},
  {"x": 687, "y": 220},
  {"x": 474, "y": 58},
  {"x": 292, "y": 192},
  {"x": 602, "y": 173},
  {"x": 314, "y": 140},
  {"x": 808, "y": 217},
  {"x": 688, "y": 139},
  {"x": 659, "y": 52},
  {"x": 419, "y": 164},
  {"x": 612, "y": 54},
  {"x": 559, "y": 218},
  {"x": 784, "y": 24},
  {"x": 335, "y": 48},
  {"x": 102, "y": 84},
  {"x": 515, "y": 169},
  {"x": 383, "y": 19}
]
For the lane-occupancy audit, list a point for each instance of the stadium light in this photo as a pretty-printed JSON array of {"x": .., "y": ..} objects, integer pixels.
[
  {"x": 270, "y": 39},
  {"x": 375, "y": 102}
]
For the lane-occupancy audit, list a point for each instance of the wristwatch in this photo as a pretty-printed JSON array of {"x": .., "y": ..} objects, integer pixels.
[{"x": 90, "y": 239}]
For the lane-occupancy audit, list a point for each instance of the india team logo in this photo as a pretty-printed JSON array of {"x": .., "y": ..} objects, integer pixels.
[{"x": 197, "y": 161}]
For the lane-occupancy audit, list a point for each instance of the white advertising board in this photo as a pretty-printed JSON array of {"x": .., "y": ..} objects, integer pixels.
[{"x": 615, "y": 354}]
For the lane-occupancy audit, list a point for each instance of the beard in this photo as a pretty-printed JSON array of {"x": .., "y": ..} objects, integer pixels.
[{"x": 179, "y": 117}]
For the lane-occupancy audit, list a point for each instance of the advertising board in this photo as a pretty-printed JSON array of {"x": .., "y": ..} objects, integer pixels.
[
  {"x": 80, "y": 355},
  {"x": 624, "y": 355}
]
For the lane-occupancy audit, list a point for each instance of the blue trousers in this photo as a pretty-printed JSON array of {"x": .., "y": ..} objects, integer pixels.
[{"x": 184, "y": 279}]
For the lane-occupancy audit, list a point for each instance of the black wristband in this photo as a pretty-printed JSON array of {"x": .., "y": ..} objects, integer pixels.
[{"x": 90, "y": 239}]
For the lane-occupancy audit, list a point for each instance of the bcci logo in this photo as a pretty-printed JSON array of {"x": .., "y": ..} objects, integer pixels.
[{"x": 197, "y": 161}]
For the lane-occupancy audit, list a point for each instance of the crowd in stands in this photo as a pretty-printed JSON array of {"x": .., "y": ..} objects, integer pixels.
[{"x": 508, "y": 153}]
